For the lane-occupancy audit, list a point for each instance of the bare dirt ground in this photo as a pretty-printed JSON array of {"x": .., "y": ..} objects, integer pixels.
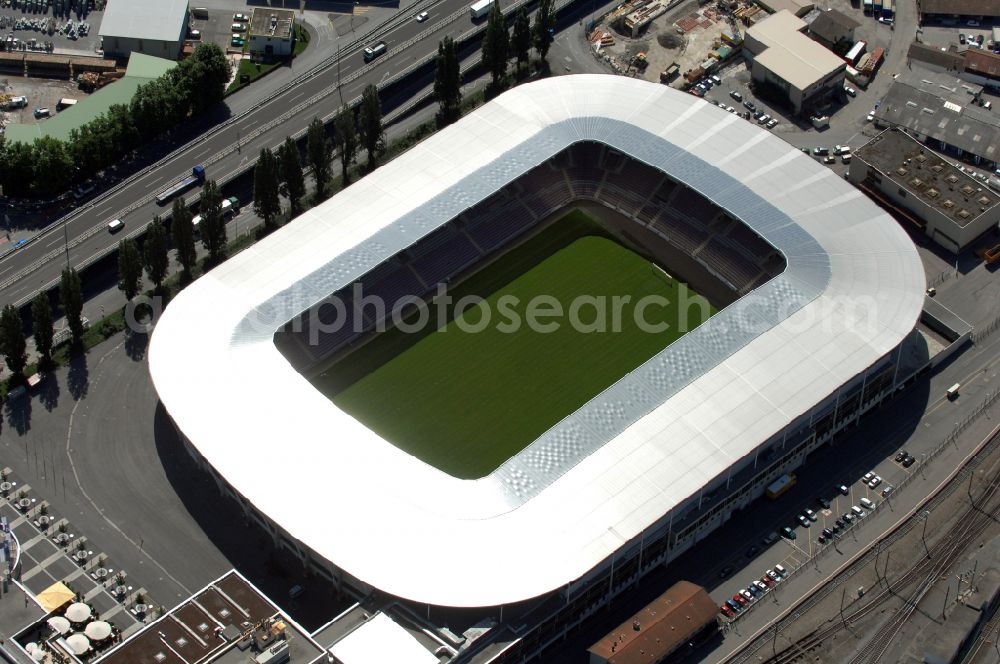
[{"x": 41, "y": 93}]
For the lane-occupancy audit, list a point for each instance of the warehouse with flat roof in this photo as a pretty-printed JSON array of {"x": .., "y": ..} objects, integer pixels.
[
  {"x": 782, "y": 56},
  {"x": 154, "y": 28}
]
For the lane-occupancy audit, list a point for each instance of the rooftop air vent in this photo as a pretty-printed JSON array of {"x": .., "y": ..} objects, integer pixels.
[
  {"x": 984, "y": 201},
  {"x": 902, "y": 171},
  {"x": 932, "y": 193},
  {"x": 937, "y": 168},
  {"x": 967, "y": 190},
  {"x": 963, "y": 214},
  {"x": 947, "y": 204},
  {"x": 952, "y": 178}
]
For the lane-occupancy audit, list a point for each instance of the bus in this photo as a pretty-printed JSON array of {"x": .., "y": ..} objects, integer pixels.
[{"x": 780, "y": 485}]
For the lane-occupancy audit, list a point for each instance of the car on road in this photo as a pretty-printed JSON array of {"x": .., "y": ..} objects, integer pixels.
[
  {"x": 820, "y": 150},
  {"x": 851, "y": 91},
  {"x": 241, "y": 18},
  {"x": 726, "y": 611},
  {"x": 810, "y": 515},
  {"x": 422, "y": 16},
  {"x": 736, "y": 95},
  {"x": 804, "y": 521},
  {"x": 115, "y": 225},
  {"x": 788, "y": 533},
  {"x": 42, "y": 112},
  {"x": 874, "y": 482},
  {"x": 843, "y": 489},
  {"x": 823, "y": 502}
]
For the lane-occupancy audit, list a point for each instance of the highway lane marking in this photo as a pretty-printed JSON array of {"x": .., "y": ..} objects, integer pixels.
[
  {"x": 297, "y": 97},
  {"x": 76, "y": 477}
]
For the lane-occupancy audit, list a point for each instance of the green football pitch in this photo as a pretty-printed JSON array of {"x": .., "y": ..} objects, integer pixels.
[{"x": 467, "y": 396}]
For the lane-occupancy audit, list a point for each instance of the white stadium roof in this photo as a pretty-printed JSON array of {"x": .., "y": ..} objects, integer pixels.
[{"x": 603, "y": 475}]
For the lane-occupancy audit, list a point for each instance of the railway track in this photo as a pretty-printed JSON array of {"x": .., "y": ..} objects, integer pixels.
[
  {"x": 922, "y": 574},
  {"x": 988, "y": 637}
]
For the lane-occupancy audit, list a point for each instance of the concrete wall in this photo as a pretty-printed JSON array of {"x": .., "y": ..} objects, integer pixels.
[
  {"x": 122, "y": 47},
  {"x": 280, "y": 48}
]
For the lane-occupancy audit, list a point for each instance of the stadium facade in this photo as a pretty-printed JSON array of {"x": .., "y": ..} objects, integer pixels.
[{"x": 824, "y": 287}]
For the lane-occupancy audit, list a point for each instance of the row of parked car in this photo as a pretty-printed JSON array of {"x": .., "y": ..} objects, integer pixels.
[
  {"x": 747, "y": 596},
  {"x": 872, "y": 480}
]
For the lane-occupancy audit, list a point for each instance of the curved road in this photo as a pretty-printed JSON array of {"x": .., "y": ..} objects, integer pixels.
[{"x": 227, "y": 149}]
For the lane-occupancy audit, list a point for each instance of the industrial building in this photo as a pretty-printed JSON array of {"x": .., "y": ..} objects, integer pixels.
[
  {"x": 637, "y": 475},
  {"x": 796, "y": 7},
  {"x": 781, "y": 55},
  {"x": 953, "y": 207},
  {"x": 831, "y": 27},
  {"x": 941, "y": 110},
  {"x": 272, "y": 33},
  {"x": 154, "y": 28},
  {"x": 672, "y": 620},
  {"x": 939, "y": 10}
]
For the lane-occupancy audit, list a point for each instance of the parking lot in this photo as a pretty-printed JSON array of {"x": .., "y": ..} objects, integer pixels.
[
  {"x": 62, "y": 30},
  {"x": 41, "y": 93},
  {"x": 218, "y": 27}
]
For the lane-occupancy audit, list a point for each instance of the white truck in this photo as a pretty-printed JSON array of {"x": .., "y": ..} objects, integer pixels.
[{"x": 480, "y": 9}]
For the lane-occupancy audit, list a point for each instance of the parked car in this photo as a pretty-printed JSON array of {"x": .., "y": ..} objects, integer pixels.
[
  {"x": 788, "y": 533},
  {"x": 115, "y": 225},
  {"x": 803, "y": 521},
  {"x": 752, "y": 551},
  {"x": 730, "y": 109},
  {"x": 767, "y": 581},
  {"x": 843, "y": 490},
  {"x": 42, "y": 112},
  {"x": 750, "y": 106},
  {"x": 773, "y": 575},
  {"x": 961, "y": 38},
  {"x": 194, "y": 34},
  {"x": 868, "y": 476},
  {"x": 829, "y": 159},
  {"x": 841, "y": 149},
  {"x": 899, "y": 457},
  {"x": 726, "y": 611},
  {"x": 237, "y": 41},
  {"x": 772, "y": 123},
  {"x": 19, "y": 101},
  {"x": 781, "y": 571},
  {"x": 820, "y": 150},
  {"x": 810, "y": 515},
  {"x": 764, "y": 119},
  {"x": 745, "y": 594},
  {"x": 845, "y": 158},
  {"x": 740, "y": 599},
  {"x": 823, "y": 502},
  {"x": 851, "y": 91},
  {"x": 725, "y": 572},
  {"x": 734, "y": 605},
  {"x": 239, "y": 27},
  {"x": 887, "y": 490},
  {"x": 875, "y": 481},
  {"x": 870, "y": 117},
  {"x": 821, "y": 539},
  {"x": 908, "y": 461},
  {"x": 828, "y": 533},
  {"x": 716, "y": 79},
  {"x": 754, "y": 591},
  {"x": 848, "y": 518},
  {"x": 736, "y": 95}
]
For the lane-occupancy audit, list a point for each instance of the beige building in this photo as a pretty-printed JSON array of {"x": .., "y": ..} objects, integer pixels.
[
  {"x": 797, "y": 7},
  {"x": 272, "y": 33},
  {"x": 783, "y": 56},
  {"x": 952, "y": 207},
  {"x": 152, "y": 28}
]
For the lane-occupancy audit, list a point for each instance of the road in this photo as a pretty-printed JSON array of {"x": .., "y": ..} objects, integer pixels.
[{"x": 227, "y": 149}]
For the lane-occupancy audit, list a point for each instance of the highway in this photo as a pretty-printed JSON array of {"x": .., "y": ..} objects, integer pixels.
[{"x": 229, "y": 148}]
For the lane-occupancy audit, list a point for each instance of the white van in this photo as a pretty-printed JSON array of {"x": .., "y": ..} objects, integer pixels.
[
  {"x": 867, "y": 504},
  {"x": 858, "y": 512},
  {"x": 953, "y": 390}
]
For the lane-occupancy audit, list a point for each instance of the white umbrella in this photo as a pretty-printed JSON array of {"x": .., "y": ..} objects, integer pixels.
[
  {"x": 35, "y": 651},
  {"x": 78, "y": 643},
  {"x": 59, "y": 624},
  {"x": 78, "y": 612},
  {"x": 98, "y": 630}
]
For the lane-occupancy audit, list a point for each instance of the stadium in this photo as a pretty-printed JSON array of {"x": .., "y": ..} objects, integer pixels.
[{"x": 540, "y": 472}]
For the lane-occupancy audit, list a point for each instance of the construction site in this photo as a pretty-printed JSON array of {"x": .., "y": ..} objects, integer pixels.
[{"x": 659, "y": 41}]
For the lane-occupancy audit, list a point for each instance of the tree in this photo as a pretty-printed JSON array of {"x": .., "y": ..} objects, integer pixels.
[
  {"x": 266, "y": 201},
  {"x": 545, "y": 22},
  {"x": 183, "y": 236},
  {"x": 346, "y": 137},
  {"x": 155, "y": 252},
  {"x": 71, "y": 296},
  {"x": 53, "y": 167},
  {"x": 42, "y": 328},
  {"x": 448, "y": 83},
  {"x": 372, "y": 131},
  {"x": 12, "y": 343},
  {"x": 318, "y": 157},
  {"x": 213, "y": 224},
  {"x": 17, "y": 162},
  {"x": 293, "y": 183},
  {"x": 207, "y": 73},
  {"x": 129, "y": 268},
  {"x": 495, "y": 45},
  {"x": 521, "y": 42}
]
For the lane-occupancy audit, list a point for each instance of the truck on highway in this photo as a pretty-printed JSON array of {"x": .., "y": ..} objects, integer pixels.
[
  {"x": 197, "y": 177},
  {"x": 480, "y": 9},
  {"x": 780, "y": 485}
]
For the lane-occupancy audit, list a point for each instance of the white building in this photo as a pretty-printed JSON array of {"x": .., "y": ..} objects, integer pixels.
[
  {"x": 781, "y": 54},
  {"x": 154, "y": 28},
  {"x": 272, "y": 33}
]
